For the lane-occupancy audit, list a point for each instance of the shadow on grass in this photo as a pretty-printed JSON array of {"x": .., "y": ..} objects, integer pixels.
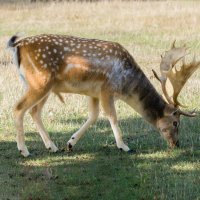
[
  {"x": 137, "y": 133},
  {"x": 97, "y": 170}
]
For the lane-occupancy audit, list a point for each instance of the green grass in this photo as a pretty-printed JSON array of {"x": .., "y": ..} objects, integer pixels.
[{"x": 96, "y": 169}]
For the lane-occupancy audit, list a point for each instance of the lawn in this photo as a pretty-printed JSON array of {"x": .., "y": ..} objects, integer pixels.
[{"x": 96, "y": 169}]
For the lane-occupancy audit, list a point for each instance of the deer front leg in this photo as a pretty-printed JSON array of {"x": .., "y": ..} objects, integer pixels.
[
  {"x": 107, "y": 102},
  {"x": 35, "y": 113},
  {"x": 31, "y": 98},
  {"x": 93, "y": 115}
]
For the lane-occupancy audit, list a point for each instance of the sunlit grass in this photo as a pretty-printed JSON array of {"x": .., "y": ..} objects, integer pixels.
[{"x": 185, "y": 166}]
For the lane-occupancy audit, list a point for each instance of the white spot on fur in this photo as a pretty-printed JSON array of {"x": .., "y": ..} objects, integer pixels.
[
  {"x": 66, "y": 49},
  {"x": 45, "y": 65}
]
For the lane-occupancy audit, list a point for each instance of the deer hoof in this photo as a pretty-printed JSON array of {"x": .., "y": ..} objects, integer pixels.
[
  {"x": 52, "y": 150},
  {"x": 25, "y": 153},
  {"x": 52, "y": 147},
  {"x": 69, "y": 147}
]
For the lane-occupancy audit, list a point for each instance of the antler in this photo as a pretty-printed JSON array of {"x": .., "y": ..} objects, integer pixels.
[{"x": 178, "y": 78}]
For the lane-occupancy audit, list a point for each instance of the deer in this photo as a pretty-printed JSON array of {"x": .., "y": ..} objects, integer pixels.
[{"x": 102, "y": 70}]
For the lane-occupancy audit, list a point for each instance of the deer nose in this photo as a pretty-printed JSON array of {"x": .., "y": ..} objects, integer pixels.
[{"x": 177, "y": 144}]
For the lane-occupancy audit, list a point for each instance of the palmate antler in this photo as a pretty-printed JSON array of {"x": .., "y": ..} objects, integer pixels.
[{"x": 178, "y": 78}]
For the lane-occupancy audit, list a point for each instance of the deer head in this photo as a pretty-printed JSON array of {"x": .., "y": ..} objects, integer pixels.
[{"x": 168, "y": 125}]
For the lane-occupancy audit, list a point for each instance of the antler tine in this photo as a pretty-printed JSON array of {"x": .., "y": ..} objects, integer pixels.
[
  {"x": 188, "y": 114},
  {"x": 176, "y": 101},
  {"x": 194, "y": 60},
  {"x": 156, "y": 75},
  {"x": 178, "y": 78},
  {"x": 173, "y": 44},
  {"x": 163, "y": 85},
  {"x": 168, "y": 61},
  {"x": 183, "y": 62}
]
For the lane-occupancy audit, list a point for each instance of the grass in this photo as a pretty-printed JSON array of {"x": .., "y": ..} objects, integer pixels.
[{"x": 96, "y": 169}]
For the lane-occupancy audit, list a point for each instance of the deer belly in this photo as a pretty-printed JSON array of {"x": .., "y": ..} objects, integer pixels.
[{"x": 85, "y": 88}]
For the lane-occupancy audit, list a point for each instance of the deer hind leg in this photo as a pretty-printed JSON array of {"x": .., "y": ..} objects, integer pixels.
[
  {"x": 31, "y": 98},
  {"x": 35, "y": 113},
  {"x": 107, "y": 102},
  {"x": 93, "y": 115}
]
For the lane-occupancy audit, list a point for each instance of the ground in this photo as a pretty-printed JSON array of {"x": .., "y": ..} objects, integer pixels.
[{"x": 96, "y": 169}]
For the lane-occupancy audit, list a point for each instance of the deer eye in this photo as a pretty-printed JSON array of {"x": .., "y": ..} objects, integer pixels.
[{"x": 175, "y": 123}]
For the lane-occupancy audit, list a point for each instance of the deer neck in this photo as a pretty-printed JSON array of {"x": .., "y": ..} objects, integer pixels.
[{"x": 140, "y": 94}]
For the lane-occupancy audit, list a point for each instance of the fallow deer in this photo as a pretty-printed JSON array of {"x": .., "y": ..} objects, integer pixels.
[{"x": 103, "y": 71}]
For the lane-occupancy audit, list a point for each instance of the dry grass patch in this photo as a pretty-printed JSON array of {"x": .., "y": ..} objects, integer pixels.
[{"x": 96, "y": 170}]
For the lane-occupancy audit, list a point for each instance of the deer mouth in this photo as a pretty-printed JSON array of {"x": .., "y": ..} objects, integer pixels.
[{"x": 177, "y": 144}]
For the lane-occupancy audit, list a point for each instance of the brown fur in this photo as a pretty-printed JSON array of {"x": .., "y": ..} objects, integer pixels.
[{"x": 99, "y": 69}]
